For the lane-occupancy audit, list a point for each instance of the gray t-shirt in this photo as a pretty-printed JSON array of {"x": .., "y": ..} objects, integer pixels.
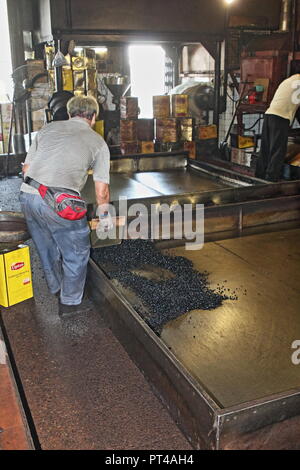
[{"x": 63, "y": 152}]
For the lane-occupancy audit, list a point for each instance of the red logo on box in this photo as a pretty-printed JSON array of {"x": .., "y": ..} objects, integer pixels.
[
  {"x": 26, "y": 281},
  {"x": 16, "y": 266}
]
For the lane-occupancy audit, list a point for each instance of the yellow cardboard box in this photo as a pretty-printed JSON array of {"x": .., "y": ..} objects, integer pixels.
[
  {"x": 99, "y": 127},
  {"x": 245, "y": 142},
  {"x": 207, "y": 132},
  {"x": 15, "y": 276},
  {"x": 146, "y": 146}
]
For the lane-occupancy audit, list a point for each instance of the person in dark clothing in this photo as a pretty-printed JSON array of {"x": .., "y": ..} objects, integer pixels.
[{"x": 273, "y": 149}]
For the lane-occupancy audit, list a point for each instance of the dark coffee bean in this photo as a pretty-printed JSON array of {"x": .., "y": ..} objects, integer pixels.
[{"x": 163, "y": 299}]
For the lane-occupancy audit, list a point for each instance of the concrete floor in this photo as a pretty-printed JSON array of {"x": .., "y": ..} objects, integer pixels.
[{"x": 82, "y": 389}]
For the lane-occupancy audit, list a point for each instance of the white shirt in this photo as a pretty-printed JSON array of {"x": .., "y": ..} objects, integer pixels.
[
  {"x": 63, "y": 151},
  {"x": 286, "y": 100}
]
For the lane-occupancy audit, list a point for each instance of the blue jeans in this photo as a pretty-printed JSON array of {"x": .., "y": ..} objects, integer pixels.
[{"x": 63, "y": 247}]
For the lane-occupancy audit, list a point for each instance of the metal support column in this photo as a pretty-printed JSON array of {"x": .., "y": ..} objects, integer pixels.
[{"x": 217, "y": 83}]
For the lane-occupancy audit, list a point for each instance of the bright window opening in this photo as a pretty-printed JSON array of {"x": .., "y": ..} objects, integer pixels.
[
  {"x": 6, "y": 84},
  {"x": 147, "y": 71}
]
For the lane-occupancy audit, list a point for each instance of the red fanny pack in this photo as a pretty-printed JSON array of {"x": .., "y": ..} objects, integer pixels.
[{"x": 66, "y": 203}]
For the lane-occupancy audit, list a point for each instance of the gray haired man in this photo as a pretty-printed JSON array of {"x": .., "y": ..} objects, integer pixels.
[{"x": 60, "y": 156}]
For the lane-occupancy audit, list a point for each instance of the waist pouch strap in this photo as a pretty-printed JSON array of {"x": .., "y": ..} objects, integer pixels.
[{"x": 66, "y": 203}]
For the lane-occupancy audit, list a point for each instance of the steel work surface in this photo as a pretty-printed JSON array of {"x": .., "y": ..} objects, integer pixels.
[
  {"x": 179, "y": 181},
  {"x": 120, "y": 185},
  {"x": 150, "y": 184},
  {"x": 242, "y": 350}
]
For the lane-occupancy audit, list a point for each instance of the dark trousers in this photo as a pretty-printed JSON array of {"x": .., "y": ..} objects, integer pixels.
[{"x": 273, "y": 150}]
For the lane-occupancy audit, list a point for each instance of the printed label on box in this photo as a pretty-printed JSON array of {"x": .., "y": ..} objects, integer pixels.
[{"x": 15, "y": 274}]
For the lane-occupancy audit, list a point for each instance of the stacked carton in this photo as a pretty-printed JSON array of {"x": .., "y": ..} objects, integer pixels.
[
  {"x": 242, "y": 146},
  {"x": 173, "y": 124},
  {"x": 128, "y": 125},
  {"x": 145, "y": 133},
  {"x": 136, "y": 135},
  {"x": 172, "y": 128},
  {"x": 206, "y": 140}
]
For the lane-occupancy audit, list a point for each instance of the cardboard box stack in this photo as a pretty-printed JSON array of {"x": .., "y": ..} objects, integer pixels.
[
  {"x": 145, "y": 134},
  {"x": 174, "y": 127},
  {"x": 206, "y": 140},
  {"x": 129, "y": 108},
  {"x": 242, "y": 147},
  {"x": 128, "y": 125},
  {"x": 128, "y": 136},
  {"x": 241, "y": 156}
]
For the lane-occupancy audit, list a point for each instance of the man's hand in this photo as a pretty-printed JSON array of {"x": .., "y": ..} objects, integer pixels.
[
  {"x": 25, "y": 168},
  {"x": 105, "y": 224}
]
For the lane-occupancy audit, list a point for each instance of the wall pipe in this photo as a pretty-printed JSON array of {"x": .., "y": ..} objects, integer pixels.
[
  {"x": 286, "y": 15},
  {"x": 217, "y": 83}
]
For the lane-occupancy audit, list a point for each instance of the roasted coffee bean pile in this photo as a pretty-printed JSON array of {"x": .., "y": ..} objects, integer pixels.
[{"x": 163, "y": 299}]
